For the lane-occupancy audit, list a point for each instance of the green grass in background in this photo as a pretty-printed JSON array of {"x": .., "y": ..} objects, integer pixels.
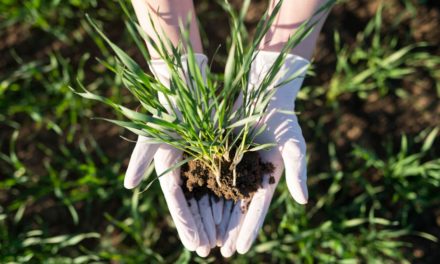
[{"x": 368, "y": 111}]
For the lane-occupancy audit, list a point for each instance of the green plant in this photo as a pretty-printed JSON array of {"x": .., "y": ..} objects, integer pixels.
[
  {"x": 375, "y": 61},
  {"x": 202, "y": 121},
  {"x": 414, "y": 176}
]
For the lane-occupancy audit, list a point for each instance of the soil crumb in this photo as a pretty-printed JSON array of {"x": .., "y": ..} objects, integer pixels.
[{"x": 198, "y": 179}]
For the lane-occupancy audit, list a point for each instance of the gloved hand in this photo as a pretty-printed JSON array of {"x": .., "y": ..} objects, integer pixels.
[
  {"x": 238, "y": 230},
  {"x": 195, "y": 220}
]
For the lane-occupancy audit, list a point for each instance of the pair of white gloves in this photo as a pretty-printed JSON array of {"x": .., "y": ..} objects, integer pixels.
[{"x": 207, "y": 223}]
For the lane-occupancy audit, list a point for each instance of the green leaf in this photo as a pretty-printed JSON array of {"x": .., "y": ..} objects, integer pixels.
[
  {"x": 245, "y": 121},
  {"x": 125, "y": 59},
  {"x": 263, "y": 146},
  {"x": 427, "y": 144}
]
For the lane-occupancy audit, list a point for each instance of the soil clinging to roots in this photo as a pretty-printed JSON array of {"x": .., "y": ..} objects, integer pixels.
[{"x": 198, "y": 179}]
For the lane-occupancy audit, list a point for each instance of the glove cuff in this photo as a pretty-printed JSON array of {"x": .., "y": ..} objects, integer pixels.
[
  {"x": 287, "y": 81},
  {"x": 160, "y": 68},
  {"x": 264, "y": 60}
]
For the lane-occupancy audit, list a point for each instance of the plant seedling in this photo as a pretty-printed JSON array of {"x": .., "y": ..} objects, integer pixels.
[{"x": 205, "y": 122}]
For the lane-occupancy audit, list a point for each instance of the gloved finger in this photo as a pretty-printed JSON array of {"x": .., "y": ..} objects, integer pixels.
[
  {"x": 203, "y": 249},
  {"x": 166, "y": 157},
  {"x": 207, "y": 219},
  {"x": 237, "y": 216},
  {"x": 217, "y": 209},
  {"x": 221, "y": 228},
  {"x": 293, "y": 152},
  {"x": 260, "y": 202},
  {"x": 140, "y": 159}
]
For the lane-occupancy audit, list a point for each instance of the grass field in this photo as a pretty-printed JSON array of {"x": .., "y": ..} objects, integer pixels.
[{"x": 369, "y": 112}]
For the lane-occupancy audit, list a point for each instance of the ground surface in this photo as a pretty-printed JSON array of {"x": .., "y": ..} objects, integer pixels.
[{"x": 369, "y": 112}]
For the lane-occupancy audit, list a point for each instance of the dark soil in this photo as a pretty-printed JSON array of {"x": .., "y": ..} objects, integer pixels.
[{"x": 198, "y": 179}]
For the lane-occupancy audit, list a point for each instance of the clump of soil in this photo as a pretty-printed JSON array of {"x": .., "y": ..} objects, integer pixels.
[{"x": 198, "y": 179}]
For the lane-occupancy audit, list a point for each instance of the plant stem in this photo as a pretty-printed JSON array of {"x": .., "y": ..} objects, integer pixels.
[
  {"x": 234, "y": 176},
  {"x": 217, "y": 172}
]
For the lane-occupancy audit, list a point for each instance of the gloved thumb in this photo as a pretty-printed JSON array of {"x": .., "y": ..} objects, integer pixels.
[{"x": 140, "y": 159}]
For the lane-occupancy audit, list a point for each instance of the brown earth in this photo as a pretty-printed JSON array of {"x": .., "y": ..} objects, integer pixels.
[{"x": 198, "y": 179}]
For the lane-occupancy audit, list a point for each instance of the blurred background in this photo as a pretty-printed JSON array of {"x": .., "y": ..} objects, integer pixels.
[{"x": 370, "y": 113}]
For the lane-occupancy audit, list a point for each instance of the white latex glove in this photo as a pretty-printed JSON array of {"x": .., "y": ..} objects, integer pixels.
[
  {"x": 195, "y": 220},
  {"x": 290, "y": 154}
]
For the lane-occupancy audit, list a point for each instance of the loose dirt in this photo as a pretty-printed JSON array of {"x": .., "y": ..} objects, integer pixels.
[{"x": 198, "y": 179}]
